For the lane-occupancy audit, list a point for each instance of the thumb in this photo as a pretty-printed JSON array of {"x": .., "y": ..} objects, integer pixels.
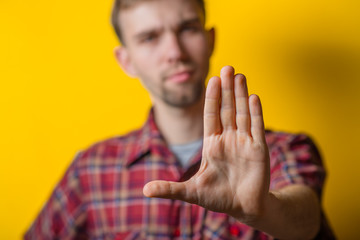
[{"x": 169, "y": 190}]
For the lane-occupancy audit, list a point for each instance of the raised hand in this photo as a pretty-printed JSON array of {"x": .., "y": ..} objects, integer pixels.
[{"x": 234, "y": 174}]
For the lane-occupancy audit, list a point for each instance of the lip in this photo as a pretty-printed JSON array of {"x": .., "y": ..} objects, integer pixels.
[{"x": 180, "y": 77}]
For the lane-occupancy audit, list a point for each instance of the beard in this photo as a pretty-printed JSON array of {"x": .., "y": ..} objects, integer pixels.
[
  {"x": 185, "y": 99},
  {"x": 184, "y": 94}
]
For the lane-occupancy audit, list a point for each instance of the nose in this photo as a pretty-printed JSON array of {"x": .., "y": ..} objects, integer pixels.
[{"x": 174, "y": 50}]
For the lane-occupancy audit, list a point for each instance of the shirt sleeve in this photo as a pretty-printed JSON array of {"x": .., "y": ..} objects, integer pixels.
[
  {"x": 63, "y": 216},
  {"x": 296, "y": 160}
]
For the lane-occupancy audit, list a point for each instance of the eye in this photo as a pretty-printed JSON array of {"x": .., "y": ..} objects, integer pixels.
[
  {"x": 190, "y": 28},
  {"x": 148, "y": 38}
]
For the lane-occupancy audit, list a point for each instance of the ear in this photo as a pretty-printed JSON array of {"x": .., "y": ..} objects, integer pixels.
[
  {"x": 211, "y": 39},
  {"x": 123, "y": 59}
]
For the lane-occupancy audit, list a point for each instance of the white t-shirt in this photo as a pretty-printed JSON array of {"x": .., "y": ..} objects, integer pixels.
[{"x": 184, "y": 152}]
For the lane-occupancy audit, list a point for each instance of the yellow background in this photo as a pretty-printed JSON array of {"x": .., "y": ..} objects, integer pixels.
[{"x": 61, "y": 90}]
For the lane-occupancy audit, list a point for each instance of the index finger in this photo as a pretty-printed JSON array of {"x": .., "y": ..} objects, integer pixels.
[{"x": 212, "y": 123}]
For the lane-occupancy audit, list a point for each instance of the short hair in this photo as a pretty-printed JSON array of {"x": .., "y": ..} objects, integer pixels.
[{"x": 125, "y": 4}]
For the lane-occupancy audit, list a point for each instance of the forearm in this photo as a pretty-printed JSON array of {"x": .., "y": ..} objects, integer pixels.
[{"x": 290, "y": 213}]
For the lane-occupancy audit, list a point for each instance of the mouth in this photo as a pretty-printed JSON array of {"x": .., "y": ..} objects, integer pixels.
[{"x": 179, "y": 77}]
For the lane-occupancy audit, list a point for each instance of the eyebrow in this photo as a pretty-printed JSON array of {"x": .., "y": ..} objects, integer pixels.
[
  {"x": 190, "y": 21},
  {"x": 142, "y": 34}
]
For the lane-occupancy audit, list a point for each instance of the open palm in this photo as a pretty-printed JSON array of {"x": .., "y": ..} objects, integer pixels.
[{"x": 234, "y": 174}]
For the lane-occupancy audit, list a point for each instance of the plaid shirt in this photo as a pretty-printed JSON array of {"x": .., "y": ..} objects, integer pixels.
[{"x": 100, "y": 196}]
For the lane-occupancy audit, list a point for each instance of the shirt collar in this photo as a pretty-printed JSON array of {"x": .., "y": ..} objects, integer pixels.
[
  {"x": 142, "y": 142},
  {"x": 149, "y": 137}
]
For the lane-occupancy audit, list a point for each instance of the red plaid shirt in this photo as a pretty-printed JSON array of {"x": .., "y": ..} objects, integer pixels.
[{"x": 100, "y": 196}]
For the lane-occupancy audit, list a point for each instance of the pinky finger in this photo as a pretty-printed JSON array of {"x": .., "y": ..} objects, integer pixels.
[{"x": 257, "y": 121}]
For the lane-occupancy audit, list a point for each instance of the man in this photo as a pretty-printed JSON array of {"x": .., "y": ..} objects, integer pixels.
[{"x": 158, "y": 182}]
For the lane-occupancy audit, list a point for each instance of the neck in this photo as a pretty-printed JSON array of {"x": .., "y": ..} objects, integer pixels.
[{"x": 179, "y": 125}]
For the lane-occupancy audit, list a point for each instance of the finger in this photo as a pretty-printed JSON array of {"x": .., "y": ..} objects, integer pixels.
[
  {"x": 227, "y": 98},
  {"x": 257, "y": 121},
  {"x": 242, "y": 104},
  {"x": 212, "y": 123},
  {"x": 169, "y": 190}
]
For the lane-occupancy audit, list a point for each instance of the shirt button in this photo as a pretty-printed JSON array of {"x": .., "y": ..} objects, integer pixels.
[
  {"x": 234, "y": 230},
  {"x": 177, "y": 232}
]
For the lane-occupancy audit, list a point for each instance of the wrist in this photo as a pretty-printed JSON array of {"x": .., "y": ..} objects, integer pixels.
[
  {"x": 257, "y": 213},
  {"x": 290, "y": 213}
]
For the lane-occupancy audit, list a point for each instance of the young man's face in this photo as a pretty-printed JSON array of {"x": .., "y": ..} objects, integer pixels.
[{"x": 167, "y": 47}]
